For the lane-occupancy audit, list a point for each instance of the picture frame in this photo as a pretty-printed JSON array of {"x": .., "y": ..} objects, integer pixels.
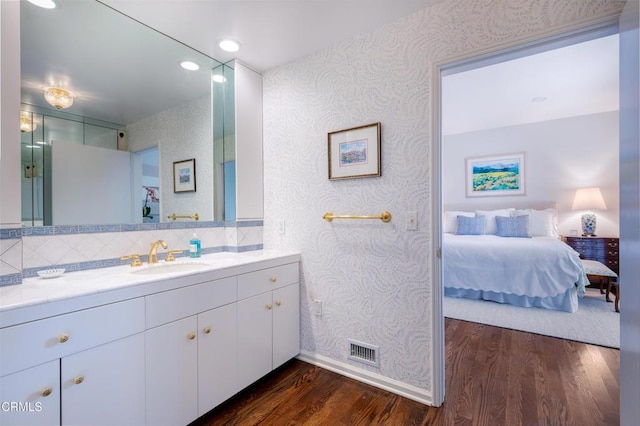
[
  {"x": 354, "y": 152},
  {"x": 184, "y": 175},
  {"x": 497, "y": 175}
]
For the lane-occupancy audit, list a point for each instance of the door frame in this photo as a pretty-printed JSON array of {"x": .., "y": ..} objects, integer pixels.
[{"x": 547, "y": 40}]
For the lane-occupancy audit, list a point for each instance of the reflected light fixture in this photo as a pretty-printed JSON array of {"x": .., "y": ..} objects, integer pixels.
[
  {"x": 188, "y": 65},
  {"x": 219, "y": 78},
  {"x": 588, "y": 199},
  {"x": 59, "y": 98},
  {"x": 229, "y": 45},
  {"x": 46, "y": 4},
  {"x": 26, "y": 122}
]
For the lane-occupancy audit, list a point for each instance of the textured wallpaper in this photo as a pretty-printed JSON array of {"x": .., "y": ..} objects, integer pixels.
[{"x": 375, "y": 279}]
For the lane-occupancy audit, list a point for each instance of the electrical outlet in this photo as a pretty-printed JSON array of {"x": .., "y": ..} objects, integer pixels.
[
  {"x": 317, "y": 307},
  {"x": 281, "y": 226},
  {"x": 412, "y": 221}
]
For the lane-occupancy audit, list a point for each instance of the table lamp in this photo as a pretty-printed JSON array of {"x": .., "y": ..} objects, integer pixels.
[{"x": 588, "y": 199}]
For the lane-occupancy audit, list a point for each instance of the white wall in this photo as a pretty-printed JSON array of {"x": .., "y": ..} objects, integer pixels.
[
  {"x": 375, "y": 279},
  {"x": 561, "y": 156},
  {"x": 180, "y": 133}
]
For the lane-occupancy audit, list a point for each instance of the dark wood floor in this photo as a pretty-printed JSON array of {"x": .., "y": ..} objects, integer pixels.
[{"x": 494, "y": 376}]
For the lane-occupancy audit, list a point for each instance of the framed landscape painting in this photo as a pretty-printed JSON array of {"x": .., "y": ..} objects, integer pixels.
[
  {"x": 355, "y": 152},
  {"x": 496, "y": 175}
]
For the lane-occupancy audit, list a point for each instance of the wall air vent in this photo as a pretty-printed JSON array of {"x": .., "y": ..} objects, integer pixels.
[{"x": 364, "y": 353}]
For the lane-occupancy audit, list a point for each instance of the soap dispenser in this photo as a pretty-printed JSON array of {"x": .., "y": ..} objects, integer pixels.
[{"x": 194, "y": 246}]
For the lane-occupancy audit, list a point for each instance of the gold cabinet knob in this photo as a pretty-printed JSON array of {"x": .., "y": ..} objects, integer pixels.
[
  {"x": 46, "y": 392},
  {"x": 273, "y": 279},
  {"x": 269, "y": 306},
  {"x": 63, "y": 338},
  {"x": 191, "y": 336},
  {"x": 79, "y": 379},
  {"x": 207, "y": 330},
  {"x": 278, "y": 303}
]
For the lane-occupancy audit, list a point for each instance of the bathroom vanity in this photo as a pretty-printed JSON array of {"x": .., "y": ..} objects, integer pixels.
[{"x": 142, "y": 346}]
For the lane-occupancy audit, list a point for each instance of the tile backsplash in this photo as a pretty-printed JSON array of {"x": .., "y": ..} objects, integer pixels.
[{"x": 24, "y": 251}]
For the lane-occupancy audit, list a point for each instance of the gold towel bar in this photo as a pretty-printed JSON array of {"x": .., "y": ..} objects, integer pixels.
[
  {"x": 385, "y": 217},
  {"x": 175, "y": 216}
]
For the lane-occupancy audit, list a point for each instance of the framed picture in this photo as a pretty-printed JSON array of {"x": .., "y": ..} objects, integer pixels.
[
  {"x": 496, "y": 175},
  {"x": 355, "y": 152},
  {"x": 184, "y": 176}
]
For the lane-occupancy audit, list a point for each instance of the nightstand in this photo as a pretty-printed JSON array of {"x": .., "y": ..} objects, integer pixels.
[{"x": 601, "y": 249}]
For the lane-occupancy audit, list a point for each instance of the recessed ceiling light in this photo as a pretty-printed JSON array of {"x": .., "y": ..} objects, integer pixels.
[
  {"x": 219, "y": 78},
  {"x": 47, "y": 4},
  {"x": 539, "y": 99},
  {"x": 188, "y": 65},
  {"x": 229, "y": 45}
]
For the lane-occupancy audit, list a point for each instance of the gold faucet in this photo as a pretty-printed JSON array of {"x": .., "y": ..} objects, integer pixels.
[{"x": 153, "y": 253}]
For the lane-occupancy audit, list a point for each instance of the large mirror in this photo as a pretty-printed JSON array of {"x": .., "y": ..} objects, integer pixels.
[{"x": 109, "y": 156}]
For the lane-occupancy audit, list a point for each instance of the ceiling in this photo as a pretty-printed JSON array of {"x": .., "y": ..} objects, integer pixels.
[
  {"x": 271, "y": 32},
  {"x": 575, "y": 80}
]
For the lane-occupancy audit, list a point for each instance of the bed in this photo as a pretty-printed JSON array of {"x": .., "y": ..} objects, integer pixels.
[{"x": 522, "y": 265}]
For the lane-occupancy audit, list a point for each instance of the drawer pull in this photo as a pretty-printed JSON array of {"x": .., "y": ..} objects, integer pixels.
[
  {"x": 46, "y": 392},
  {"x": 207, "y": 330},
  {"x": 278, "y": 303},
  {"x": 191, "y": 336},
  {"x": 269, "y": 306},
  {"x": 78, "y": 379},
  {"x": 273, "y": 279},
  {"x": 63, "y": 338}
]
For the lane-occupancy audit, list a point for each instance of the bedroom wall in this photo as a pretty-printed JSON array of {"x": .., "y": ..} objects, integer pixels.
[
  {"x": 561, "y": 156},
  {"x": 374, "y": 279}
]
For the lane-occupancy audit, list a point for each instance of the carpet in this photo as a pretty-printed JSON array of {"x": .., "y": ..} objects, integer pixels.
[{"x": 595, "y": 322}]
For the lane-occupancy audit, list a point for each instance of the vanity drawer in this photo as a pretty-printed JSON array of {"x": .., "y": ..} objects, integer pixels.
[
  {"x": 266, "y": 280},
  {"x": 33, "y": 343},
  {"x": 172, "y": 305}
]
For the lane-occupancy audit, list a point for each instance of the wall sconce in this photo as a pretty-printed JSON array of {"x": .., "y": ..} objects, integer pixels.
[
  {"x": 26, "y": 122},
  {"x": 59, "y": 98},
  {"x": 588, "y": 199}
]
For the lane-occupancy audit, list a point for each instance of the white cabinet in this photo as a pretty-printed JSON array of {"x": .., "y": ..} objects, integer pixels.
[
  {"x": 163, "y": 358},
  {"x": 268, "y": 322},
  {"x": 31, "y": 396},
  {"x": 105, "y": 385},
  {"x": 190, "y": 362},
  {"x": 84, "y": 367},
  {"x": 172, "y": 373},
  {"x": 217, "y": 356}
]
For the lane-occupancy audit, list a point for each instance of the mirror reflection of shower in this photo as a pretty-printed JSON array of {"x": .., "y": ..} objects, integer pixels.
[{"x": 150, "y": 191}]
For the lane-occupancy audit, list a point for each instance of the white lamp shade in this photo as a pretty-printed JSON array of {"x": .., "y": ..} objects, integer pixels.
[{"x": 588, "y": 199}]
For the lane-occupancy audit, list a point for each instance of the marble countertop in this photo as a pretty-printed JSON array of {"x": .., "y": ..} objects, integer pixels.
[{"x": 41, "y": 297}]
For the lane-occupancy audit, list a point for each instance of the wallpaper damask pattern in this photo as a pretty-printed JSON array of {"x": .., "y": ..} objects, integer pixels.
[{"x": 375, "y": 279}]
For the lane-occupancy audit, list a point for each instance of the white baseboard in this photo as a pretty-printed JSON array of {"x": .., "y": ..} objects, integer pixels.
[{"x": 394, "y": 386}]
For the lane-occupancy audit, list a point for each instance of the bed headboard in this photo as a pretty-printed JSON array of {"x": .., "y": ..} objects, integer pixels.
[{"x": 502, "y": 204}]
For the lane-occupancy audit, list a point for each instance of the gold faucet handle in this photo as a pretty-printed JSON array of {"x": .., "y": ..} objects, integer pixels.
[
  {"x": 170, "y": 254},
  {"x": 136, "y": 259}
]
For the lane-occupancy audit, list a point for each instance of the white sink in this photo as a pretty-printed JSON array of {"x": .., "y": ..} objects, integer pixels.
[{"x": 170, "y": 267}]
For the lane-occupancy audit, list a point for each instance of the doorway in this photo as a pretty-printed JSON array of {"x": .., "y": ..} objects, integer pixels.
[{"x": 443, "y": 130}]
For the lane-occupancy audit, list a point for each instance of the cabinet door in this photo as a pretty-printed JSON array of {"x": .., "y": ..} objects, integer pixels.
[
  {"x": 286, "y": 324},
  {"x": 254, "y": 338},
  {"x": 217, "y": 356},
  {"x": 172, "y": 373},
  {"x": 105, "y": 385},
  {"x": 32, "y": 396}
]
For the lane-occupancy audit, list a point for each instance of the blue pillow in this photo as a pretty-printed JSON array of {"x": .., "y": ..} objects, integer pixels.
[
  {"x": 470, "y": 225},
  {"x": 516, "y": 226}
]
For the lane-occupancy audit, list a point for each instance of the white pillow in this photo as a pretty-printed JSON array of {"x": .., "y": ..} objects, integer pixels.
[
  {"x": 490, "y": 215},
  {"x": 542, "y": 223},
  {"x": 450, "y": 221}
]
